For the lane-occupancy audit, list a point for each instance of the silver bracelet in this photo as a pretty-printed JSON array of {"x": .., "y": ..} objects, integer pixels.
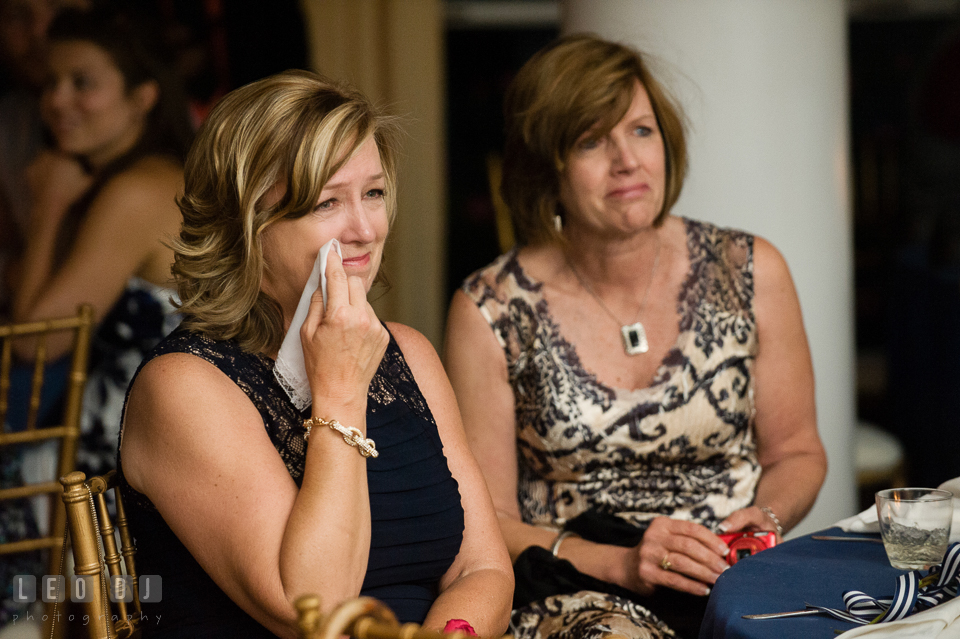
[
  {"x": 555, "y": 547},
  {"x": 766, "y": 510},
  {"x": 351, "y": 436}
]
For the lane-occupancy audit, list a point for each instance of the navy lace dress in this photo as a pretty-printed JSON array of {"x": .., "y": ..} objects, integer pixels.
[{"x": 417, "y": 518}]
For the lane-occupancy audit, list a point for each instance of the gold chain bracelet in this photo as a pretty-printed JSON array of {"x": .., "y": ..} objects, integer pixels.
[{"x": 352, "y": 436}]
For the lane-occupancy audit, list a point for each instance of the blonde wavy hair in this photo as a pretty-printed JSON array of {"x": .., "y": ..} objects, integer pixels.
[
  {"x": 572, "y": 85},
  {"x": 297, "y": 129}
]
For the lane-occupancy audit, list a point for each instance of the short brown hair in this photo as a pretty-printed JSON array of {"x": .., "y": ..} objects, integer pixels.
[
  {"x": 296, "y": 128},
  {"x": 568, "y": 87}
]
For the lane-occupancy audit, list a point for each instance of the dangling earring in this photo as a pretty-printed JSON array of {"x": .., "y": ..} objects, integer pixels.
[{"x": 558, "y": 223}]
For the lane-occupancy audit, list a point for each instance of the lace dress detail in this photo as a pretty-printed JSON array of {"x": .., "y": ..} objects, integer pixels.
[
  {"x": 682, "y": 447},
  {"x": 417, "y": 518}
]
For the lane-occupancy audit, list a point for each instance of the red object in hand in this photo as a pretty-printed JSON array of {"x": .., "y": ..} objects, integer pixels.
[
  {"x": 748, "y": 542},
  {"x": 459, "y": 624}
]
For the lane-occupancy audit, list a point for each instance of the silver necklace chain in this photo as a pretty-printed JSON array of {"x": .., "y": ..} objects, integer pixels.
[{"x": 634, "y": 335}]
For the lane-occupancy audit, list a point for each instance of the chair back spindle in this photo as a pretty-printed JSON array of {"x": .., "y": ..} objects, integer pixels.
[
  {"x": 20, "y": 425},
  {"x": 97, "y": 557}
]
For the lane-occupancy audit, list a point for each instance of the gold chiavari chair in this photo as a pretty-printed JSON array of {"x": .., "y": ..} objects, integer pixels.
[
  {"x": 361, "y": 618},
  {"x": 96, "y": 557},
  {"x": 30, "y": 434}
]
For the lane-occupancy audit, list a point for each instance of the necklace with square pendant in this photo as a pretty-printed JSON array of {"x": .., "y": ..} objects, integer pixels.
[{"x": 634, "y": 335}]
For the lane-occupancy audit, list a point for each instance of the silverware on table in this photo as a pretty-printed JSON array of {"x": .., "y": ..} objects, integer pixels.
[
  {"x": 831, "y": 538},
  {"x": 781, "y": 615}
]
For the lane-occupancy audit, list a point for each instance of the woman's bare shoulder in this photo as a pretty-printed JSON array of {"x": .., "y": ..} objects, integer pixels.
[
  {"x": 540, "y": 263},
  {"x": 423, "y": 360},
  {"x": 156, "y": 163},
  {"x": 146, "y": 179},
  {"x": 179, "y": 401},
  {"x": 770, "y": 266},
  {"x": 144, "y": 193},
  {"x": 414, "y": 345},
  {"x": 167, "y": 378}
]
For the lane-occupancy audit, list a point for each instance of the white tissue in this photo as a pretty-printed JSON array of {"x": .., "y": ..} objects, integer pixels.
[{"x": 290, "y": 369}]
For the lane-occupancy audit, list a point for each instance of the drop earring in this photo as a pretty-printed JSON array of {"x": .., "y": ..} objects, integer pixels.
[{"x": 558, "y": 223}]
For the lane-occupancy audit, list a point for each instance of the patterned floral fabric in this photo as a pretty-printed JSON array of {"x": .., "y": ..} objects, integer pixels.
[
  {"x": 137, "y": 322},
  {"x": 587, "y": 615},
  {"x": 682, "y": 447},
  {"x": 142, "y": 316},
  {"x": 17, "y": 522}
]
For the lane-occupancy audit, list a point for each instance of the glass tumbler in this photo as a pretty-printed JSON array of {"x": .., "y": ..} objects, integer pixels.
[{"x": 915, "y": 525}]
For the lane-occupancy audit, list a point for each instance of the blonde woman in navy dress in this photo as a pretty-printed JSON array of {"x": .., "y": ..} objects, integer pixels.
[
  {"x": 240, "y": 499},
  {"x": 632, "y": 383}
]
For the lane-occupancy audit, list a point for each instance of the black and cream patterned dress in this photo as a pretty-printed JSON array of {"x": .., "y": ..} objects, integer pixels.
[{"x": 682, "y": 447}]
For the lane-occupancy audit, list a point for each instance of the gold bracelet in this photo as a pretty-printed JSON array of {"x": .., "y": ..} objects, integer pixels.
[{"x": 352, "y": 436}]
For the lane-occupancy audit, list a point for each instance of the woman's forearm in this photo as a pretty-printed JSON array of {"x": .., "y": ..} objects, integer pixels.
[
  {"x": 326, "y": 542},
  {"x": 482, "y": 598},
  {"x": 790, "y": 486},
  {"x": 36, "y": 270},
  {"x": 602, "y": 561},
  {"x": 55, "y": 181}
]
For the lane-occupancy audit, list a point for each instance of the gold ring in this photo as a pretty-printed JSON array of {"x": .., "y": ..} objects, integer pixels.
[{"x": 665, "y": 563}]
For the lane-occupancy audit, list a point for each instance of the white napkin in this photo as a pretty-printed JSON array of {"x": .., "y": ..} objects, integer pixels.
[
  {"x": 290, "y": 370},
  {"x": 866, "y": 522},
  {"x": 939, "y": 622}
]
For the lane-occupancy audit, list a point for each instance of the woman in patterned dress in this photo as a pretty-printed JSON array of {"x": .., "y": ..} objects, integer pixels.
[{"x": 633, "y": 383}]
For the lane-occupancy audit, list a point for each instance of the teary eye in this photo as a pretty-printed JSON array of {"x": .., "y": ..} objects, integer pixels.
[{"x": 81, "y": 81}]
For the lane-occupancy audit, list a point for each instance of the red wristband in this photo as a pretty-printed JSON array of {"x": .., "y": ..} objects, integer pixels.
[{"x": 459, "y": 624}]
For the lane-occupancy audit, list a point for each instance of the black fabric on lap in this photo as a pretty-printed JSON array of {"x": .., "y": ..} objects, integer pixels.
[
  {"x": 539, "y": 575},
  {"x": 603, "y": 528}
]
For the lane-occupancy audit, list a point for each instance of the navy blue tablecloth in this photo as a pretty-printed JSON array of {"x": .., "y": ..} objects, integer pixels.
[{"x": 789, "y": 576}]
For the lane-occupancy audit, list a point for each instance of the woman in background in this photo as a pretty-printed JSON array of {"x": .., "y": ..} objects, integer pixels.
[
  {"x": 103, "y": 203},
  {"x": 631, "y": 382}
]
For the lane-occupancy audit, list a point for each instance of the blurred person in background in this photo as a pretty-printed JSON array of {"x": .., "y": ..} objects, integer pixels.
[
  {"x": 23, "y": 60},
  {"x": 103, "y": 204}
]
